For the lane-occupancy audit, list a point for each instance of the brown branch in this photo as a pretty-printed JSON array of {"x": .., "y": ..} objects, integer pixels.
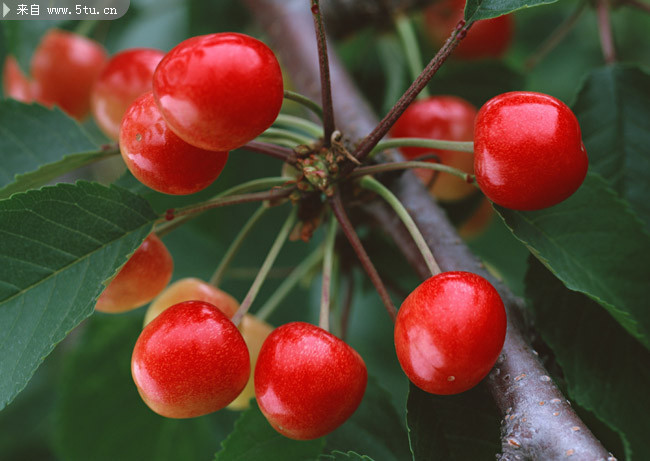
[
  {"x": 325, "y": 84},
  {"x": 518, "y": 382}
]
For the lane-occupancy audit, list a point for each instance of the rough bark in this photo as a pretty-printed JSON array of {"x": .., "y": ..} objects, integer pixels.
[{"x": 538, "y": 421}]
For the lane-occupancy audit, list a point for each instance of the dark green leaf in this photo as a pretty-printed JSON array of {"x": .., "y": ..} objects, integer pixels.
[
  {"x": 340, "y": 456},
  {"x": 100, "y": 415},
  {"x": 453, "y": 427},
  {"x": 606, "y": 370},
  {"x": 374, "y": 429},
  {"x": 613, "y": 108},
  {"x": 38, "y": 145},
  {"x": 254, "y": 438},
  {"x": 595, "y": 244},
  {"x": 485, "y": 9},
  {"x": 57, "y": 246}
]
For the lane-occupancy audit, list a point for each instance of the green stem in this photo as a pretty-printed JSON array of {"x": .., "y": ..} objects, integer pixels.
[
  {"x": 266, "y": 266},
  {"x": 411, "y": 48},
  {"x": 393, "y": 166},
  {"x": 85, "y": 28},
  {"x": 236, "y": 245},
  {"x": 279, "y": 141},
  {"x": 330, "y": 238},
  {"x": 299, "y": 123},
  {"x": 298, "y": 274},
  {"x": 304, "y": 101},
  {"x": 288, "y": 135},
  {"x": 370, "y": 183},
  {"x": 459, "y": 146}
]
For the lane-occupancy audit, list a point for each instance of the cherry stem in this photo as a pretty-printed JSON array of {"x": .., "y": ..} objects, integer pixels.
[
  {"x": 297, "y": 138},
  {"x": 266, "y": 266},
  {"x": 353, "y": 238},
  {"x": 605, "y": 29},
  {"x": 372, "y": 184},
  {"x": 458, "y": 146},
  {"x": 330, "y": 238},
  {"x": 296, "y": 276},
  {"x": 305, "y": 102},
  {"x": 370, "y": 141},
  {"x": 174, "y": 221},
  {"x": 325, "y": 83},
  {"x": 556, "y": 37},
  {"x": 282, "y": 153},
  {"x": 394, "y": 166},
  {"x": 409, "y": 40},
  {"x": 347, "y": 305},
  {"x": 234, "y": 247},
  {"x": 299, "y": 123},
  {"x": 85, "y": 28}
]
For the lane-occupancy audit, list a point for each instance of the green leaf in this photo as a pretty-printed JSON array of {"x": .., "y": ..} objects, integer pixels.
[
  {"x": 374, "y": 429},
  {"x": 595, "y": 244},
  {"x": 100, "y": 415},
  {"x": 254, "y": 438},
  {"x": 613, "y": 108},
  {"x": 606, "y": 370},
  {"x": 485, "y": 9},
  {"x": 340, "y": 456},
  {"x": 453, "y": 427},
  {"x": 57, "y": 246},
  {"x": 38, "y": 145}
]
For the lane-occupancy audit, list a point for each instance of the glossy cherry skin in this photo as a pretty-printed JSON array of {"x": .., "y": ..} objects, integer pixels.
[
  {"x": 143, "y": 276},
  {"x": 64, "y": 67},
  {"x": 191, "y": 289},
  {"x": 255, "y": 332},
  {"x": 488, "y": 38},
  {"x": 15, "y": 84},
  {"x": 528, "y": 151},
  {"x": 219, "y": 91},
  {"x": 449, "y": 332},
  {"x": 160, "y": 159},
  {"x": 447, "y": 118},
  {"x": 307, "y": 381},
  {"x": 127, "y": 75},
  {"x": 189, "y": 361}
]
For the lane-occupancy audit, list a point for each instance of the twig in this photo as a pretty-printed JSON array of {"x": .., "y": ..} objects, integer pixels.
[
  {"x": 325, "y": 83},
  {"x": 605, "y": 30},
  {"x": 272, "y": 150}
]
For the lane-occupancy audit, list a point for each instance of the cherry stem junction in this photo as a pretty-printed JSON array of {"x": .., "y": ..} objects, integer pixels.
[
  {"x": 370, "y": 141},
  {"x": 459, "y": 146},
  {"x": 325, "y": 83},
  {"x": 353, "y": 238},
  {"x": 328, "y": 257},
  {"x": 266, "y": 266},
  {"x": 305, "y": 102},
  {"x": 409, "y": 40},
  {"x": 234, "y": 247},
  {"x": 296, "y": 276},
  {"x": 370, "y": 183}
]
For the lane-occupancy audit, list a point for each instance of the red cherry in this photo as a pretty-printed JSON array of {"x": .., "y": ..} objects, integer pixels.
[
  {"x": 189, "y": 361},
  {"x": 307, "y": 381},
  {"x": 447, "y": 118},
  {"x": 528, "y": 151},
  {"x": 15, "y": 83},
  {"x": 127, "y": 75},
  {"x": 219, "y": 91},
  {"x": 191, "y": 289},
  {"x": 449, "y": 332},
  {"x": 160, "y": 159},
  {"x": 65, "y": 66},
  {"x": 486, "y": 38},
  {"x": 143, "y": 276}
]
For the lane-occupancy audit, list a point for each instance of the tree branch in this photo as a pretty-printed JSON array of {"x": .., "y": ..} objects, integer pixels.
[{"x": 538, "y": 421}]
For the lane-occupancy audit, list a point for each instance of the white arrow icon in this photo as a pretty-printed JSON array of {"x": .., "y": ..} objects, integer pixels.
[{"x": 5, "y": 10}]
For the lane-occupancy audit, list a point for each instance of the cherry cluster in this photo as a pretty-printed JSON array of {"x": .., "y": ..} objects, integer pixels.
[{"x": 178, "y": 114}]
